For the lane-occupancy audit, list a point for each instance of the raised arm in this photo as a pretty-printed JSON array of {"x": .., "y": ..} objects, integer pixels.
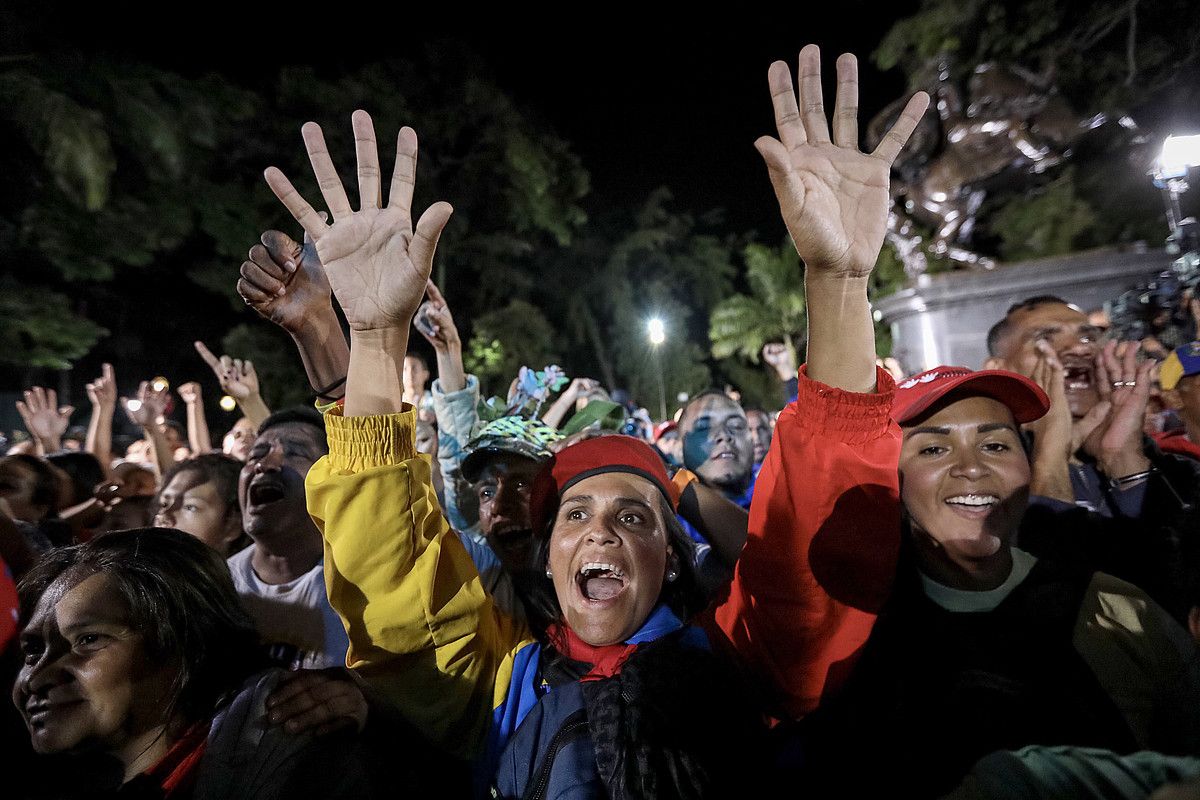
[
  {"x": 147, "y": 411},
  {"x": 834, "y": 201},
  {"x": 824, "y": 528},
  {"x": 239, "y": 380},
  {"x": 285, "y": 282},
  {"x": 197, "y": 423},
  {"x": 102, "y": 393},
  {"x": 44, "y": 419},
  {"x": 421, "y": 627},
  {"x": 565, "y": 403},
  {"x": 435, "y": 322}
]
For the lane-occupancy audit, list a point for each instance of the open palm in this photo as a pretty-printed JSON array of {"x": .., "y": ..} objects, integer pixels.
[
  {"x": 376, "y": 263},
  {"x": 833, "y": 197}
]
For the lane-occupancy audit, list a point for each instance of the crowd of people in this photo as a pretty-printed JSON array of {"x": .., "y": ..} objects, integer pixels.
[{"x": 962, "y": 583}]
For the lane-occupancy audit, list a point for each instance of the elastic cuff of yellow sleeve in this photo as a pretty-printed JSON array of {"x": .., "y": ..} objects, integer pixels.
[{"x": 358, "y": 443}]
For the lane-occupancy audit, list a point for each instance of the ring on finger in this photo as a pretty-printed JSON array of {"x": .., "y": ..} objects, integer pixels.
[{"x": 1121, "y": 384}]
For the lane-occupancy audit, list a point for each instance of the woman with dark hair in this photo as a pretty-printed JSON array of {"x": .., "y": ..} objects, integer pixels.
[
  {"x": 30, "y": 487},
  {"x": 884, "y": 593},
  {"x": 84, "y": 472},
  {"x": 199, "y": 496},
  {"x": 611, "y": 693},
  {"x": 142, "y": 673},
  {"x": 32, "y": 490}
]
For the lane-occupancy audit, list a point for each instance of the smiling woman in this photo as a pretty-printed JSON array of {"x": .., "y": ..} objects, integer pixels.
[{"x": 141, "y": 671}]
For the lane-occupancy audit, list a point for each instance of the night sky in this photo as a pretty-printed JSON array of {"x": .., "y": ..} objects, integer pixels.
[{"x": 647, "y": 98}]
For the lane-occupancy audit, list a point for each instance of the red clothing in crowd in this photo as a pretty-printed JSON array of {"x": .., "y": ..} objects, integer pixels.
[
  {"x": 8, "y": 606},
  {"x": 823, "y": 543},
  {"x": 1177, "y": 442}
]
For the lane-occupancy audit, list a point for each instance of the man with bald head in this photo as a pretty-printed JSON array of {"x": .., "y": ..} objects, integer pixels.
[{"x": 1157, "y": 493}]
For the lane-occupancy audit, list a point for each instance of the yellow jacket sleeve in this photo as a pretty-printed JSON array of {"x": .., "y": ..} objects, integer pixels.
[{"x": 422, "y": 629}]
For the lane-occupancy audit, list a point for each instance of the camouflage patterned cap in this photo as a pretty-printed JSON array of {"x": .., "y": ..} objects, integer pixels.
[{"x": 529, "y": 438}]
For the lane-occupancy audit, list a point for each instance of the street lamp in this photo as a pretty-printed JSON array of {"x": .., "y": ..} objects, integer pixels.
[
  {"x": 656, "y": 330},
  {"x": 1179, "y": 153}
]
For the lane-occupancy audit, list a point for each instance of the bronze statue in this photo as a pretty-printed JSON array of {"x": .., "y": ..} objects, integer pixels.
[{"x": 1015, "y": 124}]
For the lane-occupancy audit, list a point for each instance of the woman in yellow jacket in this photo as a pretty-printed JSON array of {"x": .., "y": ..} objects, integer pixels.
[{"x": 608, "y": 692}]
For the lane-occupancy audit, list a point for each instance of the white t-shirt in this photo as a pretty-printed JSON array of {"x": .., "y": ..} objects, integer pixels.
[{"x": 294, "y": 618}]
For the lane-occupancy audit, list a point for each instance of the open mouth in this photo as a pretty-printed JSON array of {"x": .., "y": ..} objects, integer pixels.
[
  {"x": 724, "y": 455},
  {"x": 974, "y": 504},
  {"x": 510, "y": 534},
  {"x": 264, "y": 493},
  {"x": 599, "y": 581},
  {"x": 1077, "y": 378}
]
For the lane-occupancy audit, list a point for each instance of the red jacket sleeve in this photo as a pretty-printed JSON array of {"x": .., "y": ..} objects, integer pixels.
[{"x": 823, "y": 541}]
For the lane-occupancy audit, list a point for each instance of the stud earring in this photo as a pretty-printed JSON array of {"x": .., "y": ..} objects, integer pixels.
[
  {"x": 671, "y": 575},
  {"x": 549, "y": 574}
]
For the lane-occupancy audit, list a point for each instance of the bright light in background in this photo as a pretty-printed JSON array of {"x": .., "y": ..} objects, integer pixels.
[
  {"x": 656, "y": 330},
  {"x": 134, "y": 405},
  {"x": 1179, "y": 153},
  {"x": 228, "y": 403},
  {"x": 160, "y": 384}
]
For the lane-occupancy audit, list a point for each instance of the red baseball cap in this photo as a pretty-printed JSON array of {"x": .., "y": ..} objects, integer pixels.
[
  {"x": 915, "y": 395},
  {"x": 663, "y": 428},
  {"x": 615, "y": 453}
]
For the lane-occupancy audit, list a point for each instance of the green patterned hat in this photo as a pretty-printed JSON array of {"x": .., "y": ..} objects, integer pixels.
[{"x": 529, "y": 438}]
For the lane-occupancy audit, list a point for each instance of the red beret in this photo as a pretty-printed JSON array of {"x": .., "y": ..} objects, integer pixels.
[{"x": 590, "y": 457}]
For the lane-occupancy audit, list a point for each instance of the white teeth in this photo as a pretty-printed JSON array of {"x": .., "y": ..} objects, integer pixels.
[
  {"x": 973, "y": 499},
  {"x": 597, "y": 566}
]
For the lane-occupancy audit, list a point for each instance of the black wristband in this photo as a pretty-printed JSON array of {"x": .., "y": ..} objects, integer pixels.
[{"x": 323, "y": 394}]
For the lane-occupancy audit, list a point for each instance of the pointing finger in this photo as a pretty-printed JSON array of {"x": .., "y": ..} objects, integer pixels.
[
  {"x": 206, "y": 354},
  {"x": 435, "y": 294}
]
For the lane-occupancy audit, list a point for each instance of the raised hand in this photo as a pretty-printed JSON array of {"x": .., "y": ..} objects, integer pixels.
[
  {"x": 780, "y": 358},
  {"x": 189, "y": 393},
  {"x": 148, "y": 407},
  {"x": 237, "y": 377},
  {"x": 377, "y": 264},
  {"x": 833, "y": 197},
  {"x": 103, "y": 391},
  {"x": 284, "y": 281},
  {"x": 45, "y": 420},
  {"x": 435, "y": 322},
  {"x": 1124, "y": 385},
  {"x": 1052, "y": 434}
]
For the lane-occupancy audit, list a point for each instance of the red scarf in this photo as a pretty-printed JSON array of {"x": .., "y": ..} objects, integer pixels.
[
  {"x": 605, "y": 660},
  {"x": 176, "y": 771}
]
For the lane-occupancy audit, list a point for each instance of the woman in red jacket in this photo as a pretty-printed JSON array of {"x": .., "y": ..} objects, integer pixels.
[{"x": 919, "y": 653}]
